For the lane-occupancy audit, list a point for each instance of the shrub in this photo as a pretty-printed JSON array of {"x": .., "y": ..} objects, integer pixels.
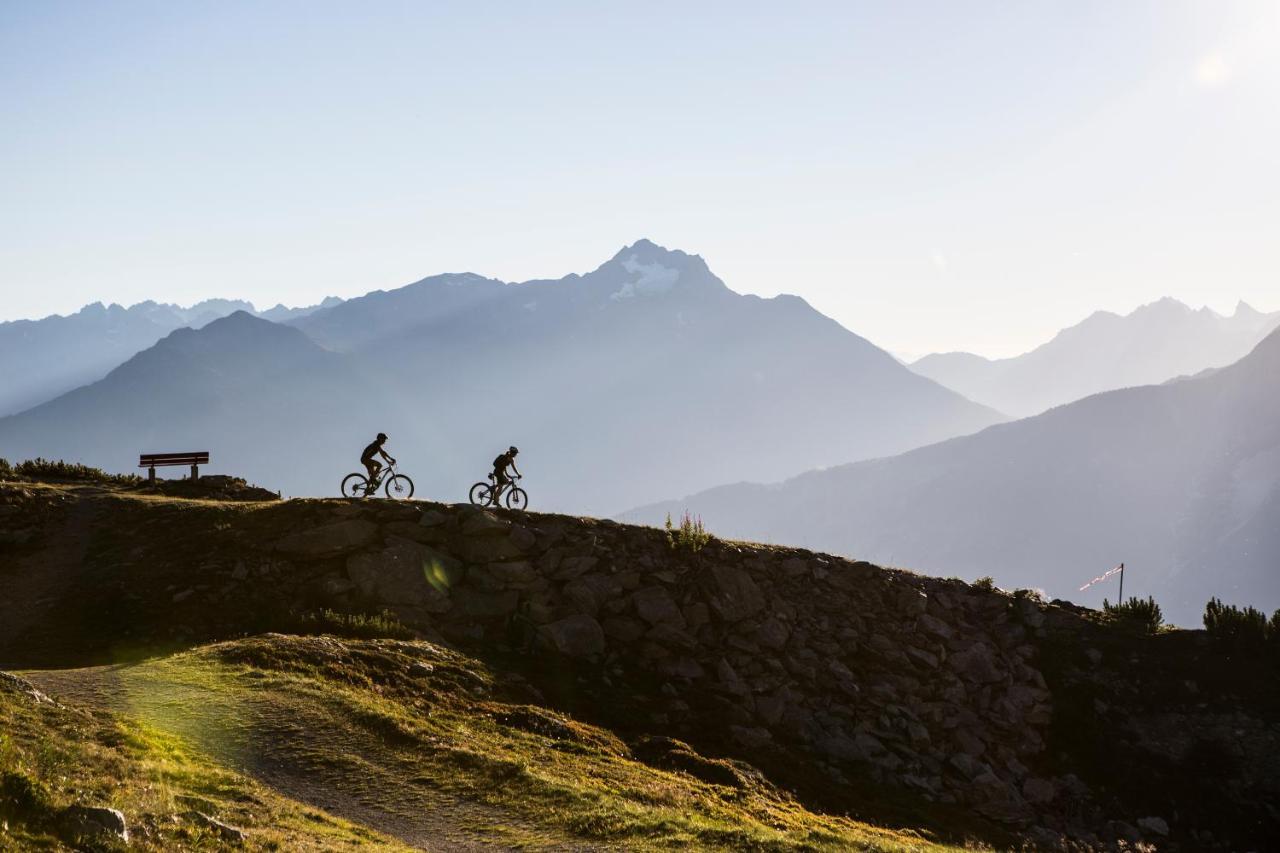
[
  {"x": 356, "y": 626},
  {"x": 23, "y": 799},
  {"x": 690, "y": 536},
  {"x": 986, "y": 582},
  {"x": 1143, "y": 614},
  {"x": 1246, "y": 631},
  {"x": 60, "y": 471}
]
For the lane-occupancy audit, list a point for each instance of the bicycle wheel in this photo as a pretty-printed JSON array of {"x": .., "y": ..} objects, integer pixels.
[
  {"x": 517, "y": 498},
  {"x": 399, "y": 486},
  {"x": 353, "y": 485},
  {"x": 481, "y": 494}
]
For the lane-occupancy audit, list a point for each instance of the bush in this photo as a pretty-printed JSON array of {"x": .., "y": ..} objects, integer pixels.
[
  {"x": 1143, "y": 614},
  {"x": 59, "y": 471},
  {"x": 356, "y": 626},
  {"x": 987, "y": 582},
  {"x": 1245, "y": 631},
  {"x": 690, "y": 536}
]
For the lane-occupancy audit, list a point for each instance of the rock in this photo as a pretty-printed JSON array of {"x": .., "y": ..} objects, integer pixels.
[
  {"x": 333, "y": 586},
  {"x": 240, "y": 572},
  {"x": 432, "y": 518},
  {"x": 733, "y": 594},
  {"x": 13, "y": 684},
  {"x": 488, "y": 549},
  {"x": 672, "y": 637},
  {"x": 750, "y": 737},
  {"x": 794, "y": 567},
  {"x": 486, "y": 605},
  {"x": 421, "y": 669},
  {"x": 572, "y": 567},
  {"x": 225, "y": 831},
  {"x": 933, "y": 626},
  {"x": 1154, "y": 825},
  {"x": 920, "y": 656},
  {"x": 521, "y": 573},
  {"x": 1038, "y": 791},
  {"x": 976, "y": 664},
  {"x": 179, "y": 597},
  {"x": 484, "y": 523},
  {"x": 624, "y": 628},
  {"x": 522, "y": 537},
  {"x": 772, "y": 634},
  {"x": 406, "y": 572},
  {"x": 577, "y": 636},
  {"x": 329, "y": 540},
  {"x": 656, "y": 606},
  {"x": 95, "y": 822}
]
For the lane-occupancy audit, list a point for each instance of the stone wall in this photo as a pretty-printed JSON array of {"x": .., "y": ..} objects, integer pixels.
[{"x": 919, "y": 682}]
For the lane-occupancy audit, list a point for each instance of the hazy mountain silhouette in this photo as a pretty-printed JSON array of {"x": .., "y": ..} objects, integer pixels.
[
  {"x": 58, "y": 353},
  {"x": 643, "y": 377},
  {"x": 1155, "y": 343},
  {"x": 1181, "y": 481}
]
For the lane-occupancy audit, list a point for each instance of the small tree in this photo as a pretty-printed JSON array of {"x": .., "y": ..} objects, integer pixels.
[
  {"x": 1244, "y": 631},
  {"x": 690, "y": 536},
  {"x": 1143, "y": 614}
]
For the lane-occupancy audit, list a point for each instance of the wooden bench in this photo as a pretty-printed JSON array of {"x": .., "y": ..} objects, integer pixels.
[{"x": 152, "y": 460}]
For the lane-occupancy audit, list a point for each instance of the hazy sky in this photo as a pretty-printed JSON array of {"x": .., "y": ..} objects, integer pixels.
[{"x": 934, "y": 175}]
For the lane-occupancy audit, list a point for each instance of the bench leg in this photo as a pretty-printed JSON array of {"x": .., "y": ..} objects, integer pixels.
[
  {"x": 151, "y": 475},
  {"x": 195, "y": 473}
]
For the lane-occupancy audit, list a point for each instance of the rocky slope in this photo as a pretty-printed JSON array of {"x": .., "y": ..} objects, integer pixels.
[{"x": 861, "y": 690}]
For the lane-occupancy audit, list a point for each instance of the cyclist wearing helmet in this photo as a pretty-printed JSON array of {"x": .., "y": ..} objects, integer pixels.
[
  {"x": 373, "y": 466},
  {"x": 500, "y": 478}
]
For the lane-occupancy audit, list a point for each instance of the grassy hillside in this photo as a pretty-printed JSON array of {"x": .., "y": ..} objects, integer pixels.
[{"x": 408, "y": 742}]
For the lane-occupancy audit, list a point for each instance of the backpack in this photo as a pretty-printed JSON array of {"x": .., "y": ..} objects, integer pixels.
[{"x": 500, "y": 462}]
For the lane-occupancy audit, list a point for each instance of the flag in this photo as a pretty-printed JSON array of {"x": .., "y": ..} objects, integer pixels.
[{"x": 1103, "y": 576}]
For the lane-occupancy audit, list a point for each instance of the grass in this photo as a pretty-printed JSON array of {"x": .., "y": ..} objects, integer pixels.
[
  {"x": 450, "y": 739},
  {"x": 53, "y": 756}
]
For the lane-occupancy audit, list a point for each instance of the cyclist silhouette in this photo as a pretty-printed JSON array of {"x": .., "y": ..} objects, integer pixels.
[
  {"x": 500, "y": 478},
  {"x": 373, "y": 466}
]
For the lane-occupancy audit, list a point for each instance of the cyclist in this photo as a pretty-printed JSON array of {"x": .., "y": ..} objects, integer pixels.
[
  {"x": 373, "y": 466},
  {"x": 500, "y": 478}
]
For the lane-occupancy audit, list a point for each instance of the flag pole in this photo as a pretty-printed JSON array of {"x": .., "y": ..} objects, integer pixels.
[{"x": 1121, "y": 601}]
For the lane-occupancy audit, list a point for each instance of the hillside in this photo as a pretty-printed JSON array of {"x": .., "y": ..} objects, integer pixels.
[
  {"x": 579, "y": 682},
  {"x": 60, "y": 353},
  {"x": 1180, "y": 481},
  {"x": 617, "y": 386},
  {"x": 1106, "y": 351}
]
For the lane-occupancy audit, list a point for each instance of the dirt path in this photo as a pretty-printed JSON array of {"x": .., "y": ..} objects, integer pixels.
[
  {"x": 36, "y": 583},
  {"x": 300, "y": 754}
]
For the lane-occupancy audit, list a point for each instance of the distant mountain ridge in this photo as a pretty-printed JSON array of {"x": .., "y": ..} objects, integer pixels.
[
  {"x": 643, "y": 375},
  {"x": 1180, "y": 481},
  {"x": 57, "y": 353},
  {"x": 1106, "y": 351}
]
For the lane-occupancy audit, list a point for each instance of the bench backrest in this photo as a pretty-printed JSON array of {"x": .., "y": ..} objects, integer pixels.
[{"x": 152, "y": 460}]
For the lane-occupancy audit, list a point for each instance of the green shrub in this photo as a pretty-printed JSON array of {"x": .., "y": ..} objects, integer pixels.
[
  {"x": 1246, "y": 631},
  {"x": 690, "y": 536},
  {"x": 987, "y": 582},
  {"x": 356, "y": 626},
  {"x": 59, "y": 471},
  {"x": 1139, "y": 613}
]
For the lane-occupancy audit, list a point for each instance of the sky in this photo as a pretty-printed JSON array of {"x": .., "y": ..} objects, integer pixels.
[{"x": 934, "y": 175}]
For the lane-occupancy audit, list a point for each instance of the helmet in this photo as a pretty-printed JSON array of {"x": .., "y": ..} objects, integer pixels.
[
  {"x": 382, "y": 436},
  {"x": 513, "y": 450}
]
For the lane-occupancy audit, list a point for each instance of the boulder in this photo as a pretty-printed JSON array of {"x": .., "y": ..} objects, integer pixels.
[
  {"x": 1154, "y": 825},
  {"x": 328, "y": 540},
  {"x": 976, "y": 664},
  {"x": 225, "y": 831},
  {"x": 484, "y": 523},
  {"x": 95, "y": 823},
  {"x": 576, "y": 636},
  {"x": 1039, "y": 791}
]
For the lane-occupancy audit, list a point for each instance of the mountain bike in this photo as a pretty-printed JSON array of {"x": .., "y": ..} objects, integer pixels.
[
  {"x": 482, "y": 494},
  {"x": 395, "y": 485}
]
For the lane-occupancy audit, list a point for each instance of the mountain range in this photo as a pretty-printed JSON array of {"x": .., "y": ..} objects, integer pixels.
[
  {"x": 645, "y": 376},
  {"x": 55, "y": 354},
  {"x": 1180, "y": 481},
  {"x": 1106, "y": 351}
]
